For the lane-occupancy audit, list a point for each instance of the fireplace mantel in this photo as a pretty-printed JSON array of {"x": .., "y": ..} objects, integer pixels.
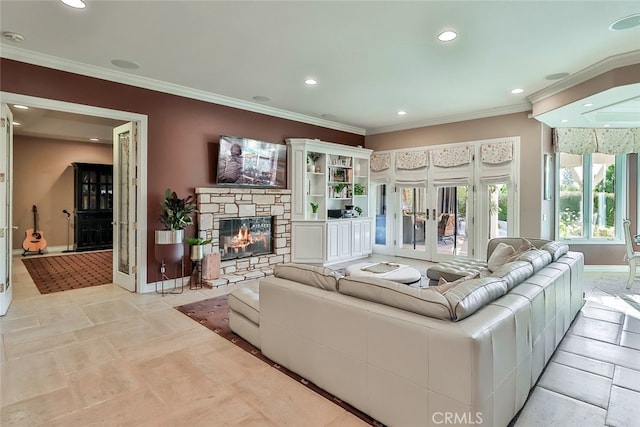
[{"x": 215, "y": 203}]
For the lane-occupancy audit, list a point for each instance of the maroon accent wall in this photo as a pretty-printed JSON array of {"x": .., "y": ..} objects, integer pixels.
[{"x": 182, "y": 132}]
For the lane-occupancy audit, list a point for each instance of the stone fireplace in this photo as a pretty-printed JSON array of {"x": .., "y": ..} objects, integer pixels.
[
  {"x": 245, "y": 237},
  {"x": 236, "y": 221}
]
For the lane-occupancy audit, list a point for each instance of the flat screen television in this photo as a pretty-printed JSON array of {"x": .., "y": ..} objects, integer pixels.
[{"x": 244, "y": 162}]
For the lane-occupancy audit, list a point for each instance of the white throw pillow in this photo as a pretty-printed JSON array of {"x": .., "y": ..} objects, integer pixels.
[{"x": 500, "y": 255}]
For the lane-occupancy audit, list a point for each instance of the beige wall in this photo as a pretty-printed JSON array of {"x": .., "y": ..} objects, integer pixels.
[
  {"x": 43, "y": 176},
  {"x": 531, "y": 133},
  {"x": 537, "y": 216}
]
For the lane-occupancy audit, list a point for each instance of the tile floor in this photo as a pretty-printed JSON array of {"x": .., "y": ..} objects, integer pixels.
[{"x": 103, "y": 356}]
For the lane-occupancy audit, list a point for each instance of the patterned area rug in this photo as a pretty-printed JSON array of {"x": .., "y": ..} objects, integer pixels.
[
  {"x": 214, "y": 314},
  {"x": 66, "y": 272}
]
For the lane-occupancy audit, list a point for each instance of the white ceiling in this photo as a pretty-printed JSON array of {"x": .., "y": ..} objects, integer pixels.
[{"x": 371, "y": 59}]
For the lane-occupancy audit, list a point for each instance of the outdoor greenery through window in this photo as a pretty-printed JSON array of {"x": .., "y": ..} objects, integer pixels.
[{"x": 592, "y": 192}]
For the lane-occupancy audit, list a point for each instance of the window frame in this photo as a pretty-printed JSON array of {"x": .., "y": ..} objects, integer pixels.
[{"x": 621, "y": 188}]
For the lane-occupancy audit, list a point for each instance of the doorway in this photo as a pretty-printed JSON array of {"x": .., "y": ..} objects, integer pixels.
[{"x": 135, "y": 208}]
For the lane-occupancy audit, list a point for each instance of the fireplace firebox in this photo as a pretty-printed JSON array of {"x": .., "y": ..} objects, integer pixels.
[{"x": 245, "y": 237}]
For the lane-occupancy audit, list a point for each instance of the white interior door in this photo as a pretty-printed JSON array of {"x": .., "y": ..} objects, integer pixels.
[
  {"x": 6, "y": 229},
  {"x": 125, "y": 184}
]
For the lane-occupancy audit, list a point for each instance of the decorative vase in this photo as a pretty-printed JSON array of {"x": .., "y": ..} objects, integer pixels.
[
  {"x": 314, "y": 215},
  {"x": 311, "y": 167},
  {"x": 169, "y": 246},
  {"x": 197, "y": 252}
]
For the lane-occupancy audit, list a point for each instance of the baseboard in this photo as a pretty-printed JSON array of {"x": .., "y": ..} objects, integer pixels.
[
  {"x": 608, "y": 268},
  {"x": 47, "y": 250},
  {"x": 168, "y": 284}
]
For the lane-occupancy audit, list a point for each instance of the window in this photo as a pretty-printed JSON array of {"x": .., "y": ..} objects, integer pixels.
[{"x": 588, "y": 208}]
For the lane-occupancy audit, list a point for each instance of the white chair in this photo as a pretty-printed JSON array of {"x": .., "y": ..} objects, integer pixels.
[{"x": 631, "y": 256}]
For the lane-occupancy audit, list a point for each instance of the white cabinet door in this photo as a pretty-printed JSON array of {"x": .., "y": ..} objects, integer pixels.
[
  {"x": 333, "y": 241},
  {"x": 356, "y": 229},
  {"x": 344, "y": 235},
  {"x": 367, "y": 243}
]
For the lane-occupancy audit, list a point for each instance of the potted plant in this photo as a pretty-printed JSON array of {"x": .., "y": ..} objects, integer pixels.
[
  {"x": 177, "y": 213},
  {"x": 358, "y": 189},
  {"x": 312, "y": 158},
  {"x": 314, "y": 210},
  {"x": 338, "y": 188},
  {"x": 197, "y": 247}
]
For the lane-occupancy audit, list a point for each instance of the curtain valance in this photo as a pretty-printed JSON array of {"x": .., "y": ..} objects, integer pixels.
[
  {"x": 451, "y": 157},
  {"x": 411, "y": 160},
  {"x": 496, "y": 153},
  {"x": 586, "y": 141},
  {"x": 380, "y": 161}
]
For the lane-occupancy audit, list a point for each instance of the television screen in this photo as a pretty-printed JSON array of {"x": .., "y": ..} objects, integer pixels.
[{"x": 251, "y": 163}]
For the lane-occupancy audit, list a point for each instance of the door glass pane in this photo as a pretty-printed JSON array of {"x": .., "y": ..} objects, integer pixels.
[
  {"x": 571, "y": 196},
  {"x": 603, "y": 178},
  {"x": 412, "y": 227},
  {"x": 498, "y": 210},
  {"x": 452, "y": 220},
  {"x": 381, "y": 214},
  {"x": 123, "y": 208}
]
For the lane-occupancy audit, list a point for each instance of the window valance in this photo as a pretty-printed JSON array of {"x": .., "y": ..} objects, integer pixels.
[
  {"x": 607, "y": 141},
  {"x": 451, "y": 157},
  {"x": 380, "y": 161},
  {"x": 496, "y": 153},
  {"x": 411, "y": 160}
]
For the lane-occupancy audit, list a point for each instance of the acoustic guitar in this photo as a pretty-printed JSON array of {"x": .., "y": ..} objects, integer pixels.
[{"x": 34, "y": 240}]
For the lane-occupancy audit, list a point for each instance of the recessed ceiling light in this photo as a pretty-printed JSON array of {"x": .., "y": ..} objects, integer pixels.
[
  {"x": 16, "y": 123},
  {"x": 606, "y": 126},
  {"x": 310, "y": 82},
  {"x": 260, "y": 98},
  {"x": 13, "y": 37},
  {"x": 564, "y": 121},
  {"x": 588, "y": 104},
  {"x": 556, "y": 76},
  {"x": 625, "y": 23},
  {"x": 402, "y": 113},
  {"x": 517, "y": 90},
  {"x": 94, "y": 139},
  {"x": 20, "y": 107},
  {"x": 447, "y": 36},
  {"x": 122, "y": 63},
  {"x": 76, "y": 4}
]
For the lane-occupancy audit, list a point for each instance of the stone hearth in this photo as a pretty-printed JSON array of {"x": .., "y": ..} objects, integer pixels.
[{"x": 216, "y": 203}]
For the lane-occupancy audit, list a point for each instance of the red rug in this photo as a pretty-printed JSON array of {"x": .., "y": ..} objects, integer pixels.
[
  {"x": 66, "y": 272},
  {"x": 214, "y": 314}
]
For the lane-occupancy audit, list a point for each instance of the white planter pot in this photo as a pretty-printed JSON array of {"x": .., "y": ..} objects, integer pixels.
[
  {"x": 197, "y": 252},
  {"x": 169, "y": 237}
]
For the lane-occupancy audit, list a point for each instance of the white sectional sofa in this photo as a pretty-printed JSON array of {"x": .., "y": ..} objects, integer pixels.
[{"x": 417, "y": 357}]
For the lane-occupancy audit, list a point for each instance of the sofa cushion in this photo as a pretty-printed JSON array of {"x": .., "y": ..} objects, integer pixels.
[
  {"x": 424, "y": 301},
  {"x": 471, "y": 295},
  {"x": 525, "y": 246},
  {"x": 537, "y": 257},
  {"x": 556, "y": 249},
  {"x": 246, "y": 301},
  {"x": 443, "y": 285},
  {"x": 455, "y": 269},
  {"x": 514, "y": 272},
  {"x": 500, "y": 256},
  {"x": 310, "y": 275}
]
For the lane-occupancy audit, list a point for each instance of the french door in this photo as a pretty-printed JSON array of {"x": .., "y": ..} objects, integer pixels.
[
  {"x": 125, "y": 209},
  {"x": 6, "y": 226},
  {"x": 454, "y": 221},
  {"x": 413, "y": 231}
]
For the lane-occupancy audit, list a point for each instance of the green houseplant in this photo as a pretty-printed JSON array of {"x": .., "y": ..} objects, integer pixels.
[
  {"x": 314, "y": 210},
  {"x": 176, "y": 214},
  {"x": 358, "y": 189},
  {"x": 197, "y": 247}
]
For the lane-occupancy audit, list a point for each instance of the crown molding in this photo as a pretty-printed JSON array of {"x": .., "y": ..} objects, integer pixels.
[
  {"x": 517, "y": 108},
  {"x": 30, "y": 57},
  {"x": 607, "y": 64}
]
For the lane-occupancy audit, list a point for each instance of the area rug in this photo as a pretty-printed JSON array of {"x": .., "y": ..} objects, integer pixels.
[
  {"x": 214, "y": 314},
  {"x": 65, "y": 272}
]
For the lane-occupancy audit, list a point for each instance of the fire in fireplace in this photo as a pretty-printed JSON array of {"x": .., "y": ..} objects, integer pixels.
[{"x": 245, "y": 237}]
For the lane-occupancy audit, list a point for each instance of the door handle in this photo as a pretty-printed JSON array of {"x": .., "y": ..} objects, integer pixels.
[
  {"x": 434, "y": 214},
  {"x": 427, "y": 214}
]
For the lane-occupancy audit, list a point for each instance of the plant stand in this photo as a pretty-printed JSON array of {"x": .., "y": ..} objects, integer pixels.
[
  {"x": 195, "y": 281},
  {"x": 178, "y": 281}
]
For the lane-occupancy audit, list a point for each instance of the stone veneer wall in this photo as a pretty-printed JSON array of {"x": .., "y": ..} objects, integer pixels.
[{"x": 221, "y": 202}]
